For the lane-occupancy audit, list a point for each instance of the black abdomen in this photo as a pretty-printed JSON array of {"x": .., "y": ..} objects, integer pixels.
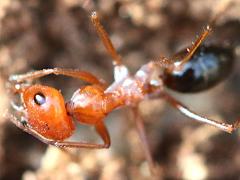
[{"x": 208, "y": 67}]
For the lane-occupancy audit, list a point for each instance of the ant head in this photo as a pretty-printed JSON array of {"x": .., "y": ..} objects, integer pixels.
[{"x": 46, "y": 112}]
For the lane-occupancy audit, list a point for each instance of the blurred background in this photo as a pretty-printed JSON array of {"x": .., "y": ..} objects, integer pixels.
[{"x": 37, "y": 34}]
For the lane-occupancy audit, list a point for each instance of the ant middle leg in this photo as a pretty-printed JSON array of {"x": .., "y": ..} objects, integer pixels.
[
  {"x": 105, "y": 39},
  {"x": 145, "y": 144},
  {"x": 120, "y": 71}
]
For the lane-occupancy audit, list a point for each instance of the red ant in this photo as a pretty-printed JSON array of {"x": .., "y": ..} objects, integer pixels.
[{"x": 45, "y": 115}]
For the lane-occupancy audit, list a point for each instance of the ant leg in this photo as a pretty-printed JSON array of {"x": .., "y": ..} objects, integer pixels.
[
  {"x": 219, "y": 10},
  {"x": 222, "y": 6},
  {"x": 168, "y": 63},
  {"x": 15, "y": 87},
  {"x": 103, "y": 132},
  {"x": 83, "y": 75},
  {"x": 120, "y": 71},
  {"x": 25, "y": 127},
  {"x": 17, "y": 108},
  {"x": 195, "y": 45},
  {"x": 105, "y": 39},
  {"x": 101, "y": 129},
  {"x": 144, "y": 141},
  {"x": 19, "y": 123},
  {"x": 187, "y": 112}
]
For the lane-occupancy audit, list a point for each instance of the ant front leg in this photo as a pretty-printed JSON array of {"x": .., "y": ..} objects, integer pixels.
[
  {"x": 23, "y": 124},
  {"x": 103, "y": 132},
  {"x": 187, "y": 112},
  {"x": 100, "y": 128},
  {"x": 83, "y": 75}
]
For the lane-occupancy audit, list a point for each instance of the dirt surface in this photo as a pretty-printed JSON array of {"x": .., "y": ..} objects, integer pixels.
[{"x": 37, "y": 34}]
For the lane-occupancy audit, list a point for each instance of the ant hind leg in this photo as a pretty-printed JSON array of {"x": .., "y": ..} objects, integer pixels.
[
  {"x": 219, "y": 10},
  {"x": 194, "y": 47},
  {"x": 187, "y": 112}
]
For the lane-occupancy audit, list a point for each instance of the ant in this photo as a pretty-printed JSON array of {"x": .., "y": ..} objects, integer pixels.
[{"x": 45, "y": 115}]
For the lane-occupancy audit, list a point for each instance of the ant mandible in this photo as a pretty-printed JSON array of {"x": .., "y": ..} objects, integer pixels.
[{"x": 45, "y": 115}]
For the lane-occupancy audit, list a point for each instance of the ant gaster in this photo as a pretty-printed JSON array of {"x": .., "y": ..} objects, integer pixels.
[
  {"x": 207, "y": 67},
  {"x": 45, "y": 115}
]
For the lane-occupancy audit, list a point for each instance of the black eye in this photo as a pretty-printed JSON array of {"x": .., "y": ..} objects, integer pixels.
[{"x": 39, "y": 99}]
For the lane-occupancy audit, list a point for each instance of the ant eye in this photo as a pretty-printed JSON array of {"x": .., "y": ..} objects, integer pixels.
[{"x": 39, "y": 99}]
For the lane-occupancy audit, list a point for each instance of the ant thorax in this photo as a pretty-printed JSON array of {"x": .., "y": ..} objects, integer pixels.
[{"x": 132, "y": 89}]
